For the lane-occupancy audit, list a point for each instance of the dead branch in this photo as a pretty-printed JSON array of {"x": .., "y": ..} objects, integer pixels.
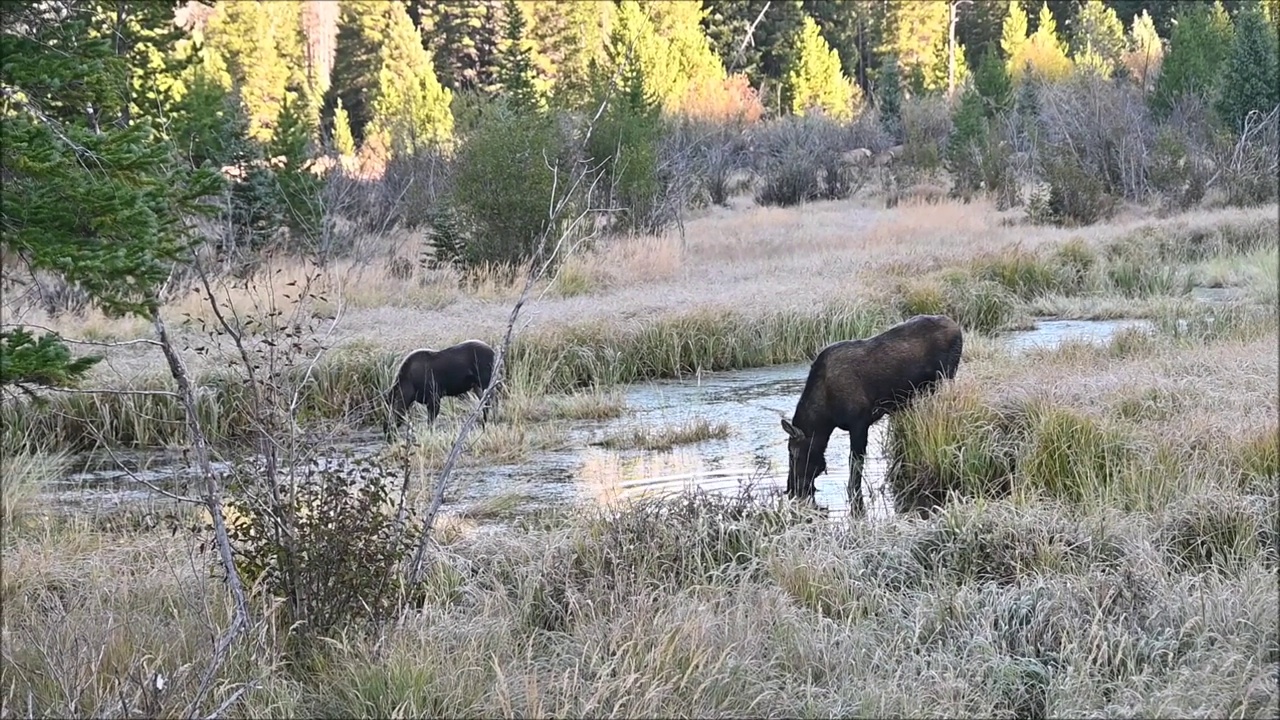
[{"x": 213, "y": 501}]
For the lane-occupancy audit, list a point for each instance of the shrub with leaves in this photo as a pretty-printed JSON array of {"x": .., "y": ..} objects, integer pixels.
[
  {"x": 333, "y": 547},
  {"x": 1075, "y": 196},
  {"x": 1175, "y": 175},
  {"x": 507, "y": 170},
  {"x": 627, "y": 144}
]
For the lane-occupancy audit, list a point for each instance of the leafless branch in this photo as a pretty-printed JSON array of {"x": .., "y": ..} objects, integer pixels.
[
  {"x": 213, "y": 502},
  {"x": 95, "y": 343}
]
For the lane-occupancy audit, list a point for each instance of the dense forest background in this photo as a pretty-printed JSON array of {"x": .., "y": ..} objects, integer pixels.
[{"x": 306, "y": 125}]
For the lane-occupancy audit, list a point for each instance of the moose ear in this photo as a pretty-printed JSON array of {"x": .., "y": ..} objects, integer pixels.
[{"x": 792, "y": 430}]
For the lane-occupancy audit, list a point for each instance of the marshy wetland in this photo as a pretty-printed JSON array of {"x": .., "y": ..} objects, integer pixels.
[{"x": 612, "y": 541}]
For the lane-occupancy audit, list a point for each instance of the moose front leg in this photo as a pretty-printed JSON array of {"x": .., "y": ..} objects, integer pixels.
[{"x": 857, "y": 454}]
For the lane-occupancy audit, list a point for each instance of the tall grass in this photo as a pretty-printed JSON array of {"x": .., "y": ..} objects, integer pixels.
[{"x": 698, "y": 606}]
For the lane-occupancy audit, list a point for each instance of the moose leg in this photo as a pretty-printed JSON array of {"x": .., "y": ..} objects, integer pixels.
[
  {"x": 478, "y": 391},
  {"x": 857, "y": 453}
]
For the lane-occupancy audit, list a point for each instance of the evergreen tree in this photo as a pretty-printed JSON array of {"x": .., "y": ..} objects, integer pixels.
[
  {"x": 410, "y": 108},
  {"x": 766, "y": 58},
  {"x": 343, "y": 141},
  {"x": 968, "y": 127},
  {"x": 992, "y": 84},
  {"x": 1013, "y": 36},
  {"x": 569, "y": 39},
  {"x": 694, "y": 69},
  {"x": 463, "y": 38},
  {"x": 1043, "y": 53},
  {"x": 840, "y": 22},
  {"x": 362, "y": 25},
  {"x": 515, "y": 69},
  {"x": 889, "y": 96},
  {"x": 815, "y": 79},
  {"x": 209, "y": 125},
  {"x": 671, "y": 65},
  {"x": 1145, "y": 52},
  {"x": 1252, "y": 81},
  {"x": 291, "y": 151},
  {"x": 1198, "y": 50},
  {"x": 319, "y": 46},
  {"x": 259, "y": 45},
  {"x": 113, "y": 226},
  {"x": 1098, "y": 41},
  {"x": 917, "y": 33},
  {"x": 979, "y": 25}
]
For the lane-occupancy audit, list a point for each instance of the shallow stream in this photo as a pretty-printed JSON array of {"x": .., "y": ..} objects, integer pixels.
[{"x": 754, "y": 452}]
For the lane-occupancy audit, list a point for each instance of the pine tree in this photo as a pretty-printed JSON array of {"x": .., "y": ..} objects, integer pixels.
[
  {"x": 1013, "y": 37},
  {"x": 1252, "y": 81},
  {"x": 694, "y": 70},
  {"x": 917, "y": 34},
  {"x": 766, "y": 58},
  {"x": 815, "y": 79},
  {"x": 992, "y": 84},
  {"x": 1198, "y": 51},
  {"x": 968, "y": 127},
  {"x": 1098, "y": 41},
  {"x": 343, "y": 141},
  {"x": 113, "y": 226},
  {"x": 319, "y": 47},
  {"x": 410, "y": 108},
  {"x": 463, "y": 38},
  {"x": 1145, "y": 52},
  {"x": 362, "y": 25},
  {"x": 840, "y": 22},
  {"x": 889, "y": 96},
  {"x": 569, "y": 38},
  {"x": 291, "y": 151},
  {"x": 1044, "y": 52},
  {"x": 515, "y": 68},
  {"x": 260, "y": 46}
]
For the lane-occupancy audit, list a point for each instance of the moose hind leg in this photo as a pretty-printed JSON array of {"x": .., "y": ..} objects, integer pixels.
[{"x": 857, "y": 454}]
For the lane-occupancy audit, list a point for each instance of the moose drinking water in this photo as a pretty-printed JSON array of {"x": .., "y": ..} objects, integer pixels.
[
  {"x": 854, "y": 383},
  {"x": 427, "y": 376}
]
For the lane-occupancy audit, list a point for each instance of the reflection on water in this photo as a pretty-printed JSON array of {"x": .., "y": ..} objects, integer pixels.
[{"x": 754, "y": 453}]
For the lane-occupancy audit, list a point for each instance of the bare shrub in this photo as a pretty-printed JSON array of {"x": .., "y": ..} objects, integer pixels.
[
  {"x": 1249, "y": 167},
  {"x": 720, "y": 154},
  {"x": 798, "y": 159},
  {"x": 1101, "y": 127},
  {"x": 926, "y": 126}
]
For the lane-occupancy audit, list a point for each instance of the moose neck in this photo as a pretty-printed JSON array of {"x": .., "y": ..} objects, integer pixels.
[{"x": 813, "y": 423}]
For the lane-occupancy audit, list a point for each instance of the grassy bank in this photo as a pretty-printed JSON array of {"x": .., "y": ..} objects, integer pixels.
[
  {"x": 1108, "y": 545},
  {"x": 1145, "y": 273},
  {"x": 694, "y": 607}
]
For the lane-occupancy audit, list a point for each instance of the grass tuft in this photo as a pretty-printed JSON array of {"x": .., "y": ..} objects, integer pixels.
[{"x": 664, "y": 438}]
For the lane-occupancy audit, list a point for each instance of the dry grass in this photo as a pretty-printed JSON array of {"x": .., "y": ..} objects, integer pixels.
[
  {"x": 1129, "y": 569},
  {"x": 666, "y": 437},
  {"x": 754, "y": 260},
  {"x": 693, "y": 607}
]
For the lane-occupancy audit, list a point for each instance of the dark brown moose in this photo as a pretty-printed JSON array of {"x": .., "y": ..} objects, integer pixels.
[
  {"x": 854, "y": 383},
  {"x": 427, "y": 376}
]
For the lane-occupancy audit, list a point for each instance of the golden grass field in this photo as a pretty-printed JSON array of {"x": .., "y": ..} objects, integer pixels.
[{"x": 1109, "y": 547}]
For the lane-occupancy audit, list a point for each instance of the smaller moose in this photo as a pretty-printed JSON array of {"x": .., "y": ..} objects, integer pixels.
[
  {"x": 854, "y": 383},
  {"x": 427, "y": 376}
]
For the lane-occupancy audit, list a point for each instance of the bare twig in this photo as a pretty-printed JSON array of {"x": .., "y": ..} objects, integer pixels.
[
  {"x": 213, "y": 501},
  {"x": 95, "y": 343},
  {"x": 747, "y": 39}
]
